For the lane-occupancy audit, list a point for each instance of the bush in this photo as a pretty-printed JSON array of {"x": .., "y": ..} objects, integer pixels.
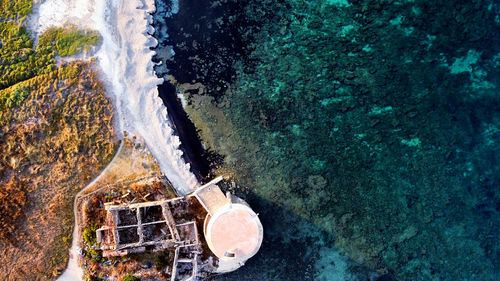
[
  {"x": 15, "y": 97},
  {"x": 68, "y": 40},
  {"x": 89, "y": 235},
  {"x": 129, "y": 277},
  {"x": 93, "y": 255},
  {"x": 12, "y": 200}
]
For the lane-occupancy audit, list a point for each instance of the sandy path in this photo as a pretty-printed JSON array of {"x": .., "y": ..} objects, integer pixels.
[{"x": 74, "y": 271}]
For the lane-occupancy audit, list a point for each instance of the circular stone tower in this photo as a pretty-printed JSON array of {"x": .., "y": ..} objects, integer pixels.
[
  {"x": 234, "y": 233},
  {"x": 232, "y": 229}
]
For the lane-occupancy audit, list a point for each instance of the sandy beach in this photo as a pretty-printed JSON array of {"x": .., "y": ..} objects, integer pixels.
[{"x": 124, "y": 59}]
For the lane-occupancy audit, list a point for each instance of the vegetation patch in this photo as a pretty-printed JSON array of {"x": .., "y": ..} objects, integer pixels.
[
  {"x": 68, "y": 40},
  {"x": 14, "y": 97},
  {"x": 56, "y": 135},
  {"x": 129, "y": 277},
  {"x": 89, "y": 235},
  {"x": 53, "y": 143},
  {"x": 12, "y": 200},
  {"x": 19, "y": 60}
]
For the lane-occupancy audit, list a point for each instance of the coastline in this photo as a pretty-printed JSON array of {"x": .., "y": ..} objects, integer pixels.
[
  {"x": 398, "y": 151},
  {"x": 125, "y": 60},
  {"x": 135, "y": 85},
  {"x": 193, "y": 151}
]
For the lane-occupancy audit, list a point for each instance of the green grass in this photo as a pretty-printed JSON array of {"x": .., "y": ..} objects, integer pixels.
[
  {"x": 15, "y": 97},
  {"x": 129, "y": 277},
  {"x": 68, "y": 40},
  {"x": 19, "y": 61}
]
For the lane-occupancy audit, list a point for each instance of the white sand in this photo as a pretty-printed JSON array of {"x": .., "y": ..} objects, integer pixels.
[
  {"x": 58, "y": 12},
  {"x": 125, "y": 61}
]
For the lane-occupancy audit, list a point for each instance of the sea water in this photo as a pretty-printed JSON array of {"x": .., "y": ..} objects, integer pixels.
[{"x": 366, "y": 133}]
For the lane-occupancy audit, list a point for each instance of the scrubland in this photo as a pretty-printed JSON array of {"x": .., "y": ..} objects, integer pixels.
[{"x": 56, "y": 135}]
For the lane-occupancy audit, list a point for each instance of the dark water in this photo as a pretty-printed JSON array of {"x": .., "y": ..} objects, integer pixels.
[
  {"x": 367, "y": 133},
  {"x": 193, "y": 151}
]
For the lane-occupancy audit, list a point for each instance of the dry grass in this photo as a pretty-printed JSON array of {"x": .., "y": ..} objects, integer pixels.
[
  {"x": 134, "y": 170},
  {"x": 134, "y": 161},
  {"x": 54, "y": 142}
]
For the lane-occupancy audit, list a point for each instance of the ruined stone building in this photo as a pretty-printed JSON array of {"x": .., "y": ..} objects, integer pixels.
[
  {"x": 150, "y": 226},
  {"x": 232, "y": 230}
]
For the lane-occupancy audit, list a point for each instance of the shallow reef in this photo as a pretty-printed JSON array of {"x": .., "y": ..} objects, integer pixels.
[{"x": 366, "y": 132}]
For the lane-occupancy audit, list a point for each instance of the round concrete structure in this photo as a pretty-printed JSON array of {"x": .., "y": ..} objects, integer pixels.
[{"x": 234, "y": 233}]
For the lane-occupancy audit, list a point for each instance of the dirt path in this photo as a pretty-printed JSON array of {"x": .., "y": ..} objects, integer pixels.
[{"x": 74, "y": 272}]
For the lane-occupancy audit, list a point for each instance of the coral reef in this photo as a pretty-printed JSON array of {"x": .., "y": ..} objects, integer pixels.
[{"x": 371, "y": 126}]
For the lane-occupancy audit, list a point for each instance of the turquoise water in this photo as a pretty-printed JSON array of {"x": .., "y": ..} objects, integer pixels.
[{"x": 366, "y": 133}]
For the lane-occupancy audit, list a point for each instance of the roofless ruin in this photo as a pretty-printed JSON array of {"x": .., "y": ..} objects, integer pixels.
[{"x": 231, "y": 229}]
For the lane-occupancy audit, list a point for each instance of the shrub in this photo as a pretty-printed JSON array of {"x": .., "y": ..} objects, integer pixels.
[
  {"x": 68, "y": 40},
  {"x": 15, "y": 97},
  {"x": 129, "y": 277},
  {"x": 89, "y": 235},
  {"x": 12, "y": 200},
  {"x": 94, "y": 255}
]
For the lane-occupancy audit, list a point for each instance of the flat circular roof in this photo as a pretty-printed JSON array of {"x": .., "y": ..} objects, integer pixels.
[{"x": 234, "y": 232}]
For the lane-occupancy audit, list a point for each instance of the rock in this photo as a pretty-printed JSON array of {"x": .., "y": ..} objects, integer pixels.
[
  {"x": 345, "y": 218},
  {"x": 316, "y": 181},
  {"x": 407, "y": 234},
  {"x": 385, "y": 277}
]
